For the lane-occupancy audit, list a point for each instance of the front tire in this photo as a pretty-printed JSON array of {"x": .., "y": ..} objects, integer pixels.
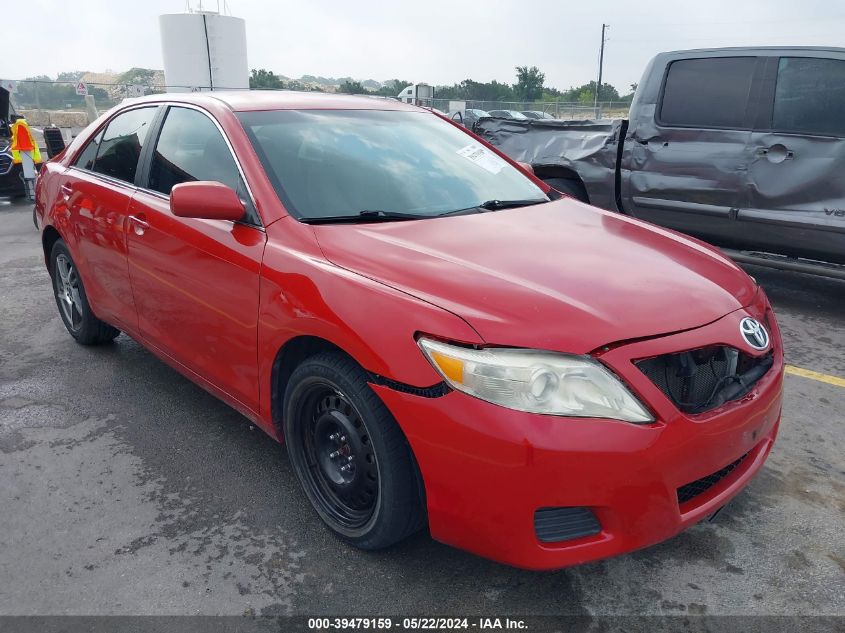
[
  {"x": 349, "y": 454},
  {"x": 72, "y": 301}
]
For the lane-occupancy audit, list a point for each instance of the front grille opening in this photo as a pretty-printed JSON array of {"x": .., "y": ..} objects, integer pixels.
[
  {"x": 702, "y": 379},
  {"x": 691, "y": 490},
  {"x": 564, "y": 524}
]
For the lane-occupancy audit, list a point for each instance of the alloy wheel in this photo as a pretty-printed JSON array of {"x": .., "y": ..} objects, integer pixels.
[{"x": 66, "y": 281}]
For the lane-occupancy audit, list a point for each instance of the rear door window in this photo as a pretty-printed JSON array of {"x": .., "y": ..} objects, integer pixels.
[
  {"x": 120, "y": 145},
  {"x": 810, "y": 96},
  {"x": 708, "y": 93}
]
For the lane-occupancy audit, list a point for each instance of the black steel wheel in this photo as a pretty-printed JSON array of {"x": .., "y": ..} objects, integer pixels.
[
  {"x": 349, "y": 454},
  {"x": 72, "y": 301}
]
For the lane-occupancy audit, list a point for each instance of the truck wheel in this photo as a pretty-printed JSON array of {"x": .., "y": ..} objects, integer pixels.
[
  {"x": 574, "y": 188},
  {"x": 349, "y": 454},
  {"x": 72, "y": 301}
]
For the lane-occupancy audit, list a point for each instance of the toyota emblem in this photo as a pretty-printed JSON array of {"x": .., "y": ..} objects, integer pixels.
[{"x": 754, "y": 333}]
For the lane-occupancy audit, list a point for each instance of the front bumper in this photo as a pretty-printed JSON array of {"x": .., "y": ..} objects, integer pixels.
[
  {"x": 488, "y": 469},
  {"x": 11, "y": 181}
]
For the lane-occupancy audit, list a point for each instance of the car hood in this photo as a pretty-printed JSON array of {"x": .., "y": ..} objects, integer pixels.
[{"x": 561, "y": 276}]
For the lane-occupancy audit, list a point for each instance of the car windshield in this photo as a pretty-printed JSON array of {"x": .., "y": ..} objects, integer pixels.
[{"x": 342, "y": 163}]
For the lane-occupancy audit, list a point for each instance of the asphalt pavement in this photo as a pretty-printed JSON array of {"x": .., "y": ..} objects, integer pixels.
[{"x": 126, "y": 489}]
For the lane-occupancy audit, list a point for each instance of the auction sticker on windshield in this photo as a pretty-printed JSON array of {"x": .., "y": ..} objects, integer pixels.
[{"x": 482, "y": 157}]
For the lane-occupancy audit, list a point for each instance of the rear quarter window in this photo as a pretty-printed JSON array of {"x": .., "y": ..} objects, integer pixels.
[
  {"x": 86, "y": 157},
  {"x": 120, "y": 144},
  {"x": 707, "y": 93}
]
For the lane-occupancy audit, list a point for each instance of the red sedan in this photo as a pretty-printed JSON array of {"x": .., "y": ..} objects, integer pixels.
[{"x": 439, "y": 338}]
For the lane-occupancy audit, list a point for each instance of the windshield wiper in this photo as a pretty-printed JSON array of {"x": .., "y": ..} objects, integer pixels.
[
  {"x": 495, "y": 205},
  {"x": 368, "y": 215}
]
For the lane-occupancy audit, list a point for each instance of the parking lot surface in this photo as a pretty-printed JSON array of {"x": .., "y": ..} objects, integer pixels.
[{"x": 126, "y": 489}]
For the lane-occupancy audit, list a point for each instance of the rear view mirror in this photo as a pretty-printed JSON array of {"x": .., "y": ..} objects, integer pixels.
[{"x": 207, "y": 200}]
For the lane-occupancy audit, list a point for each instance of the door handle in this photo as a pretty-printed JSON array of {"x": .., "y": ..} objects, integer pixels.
[
  {"x": 139, "y": 224},
  {"x": 777, "y": 153},
  {"x": 66, "y": 191}
]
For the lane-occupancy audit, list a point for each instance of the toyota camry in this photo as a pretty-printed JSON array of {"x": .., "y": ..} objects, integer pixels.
[{"x": 441, "y": 340}]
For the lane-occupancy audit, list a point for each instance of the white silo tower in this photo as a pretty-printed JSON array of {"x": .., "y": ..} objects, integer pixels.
[{"x": 203, "y": 50}]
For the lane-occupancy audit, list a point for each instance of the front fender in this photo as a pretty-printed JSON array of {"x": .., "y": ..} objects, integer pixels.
[{"x": 303, "y": 294}]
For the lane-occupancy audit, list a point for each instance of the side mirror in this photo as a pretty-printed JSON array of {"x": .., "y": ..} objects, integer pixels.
[
  {"x": 207, "y": 200},
  {"x": 527, "y": 167}
]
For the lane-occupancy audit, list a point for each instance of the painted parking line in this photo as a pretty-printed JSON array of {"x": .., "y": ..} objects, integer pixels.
[{"x": 814, "y": 375}]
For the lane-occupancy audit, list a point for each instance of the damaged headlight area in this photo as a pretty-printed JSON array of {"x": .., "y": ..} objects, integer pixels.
[
  {"x": 699, "y": 380},
  {"x": 536, "y": 381}
]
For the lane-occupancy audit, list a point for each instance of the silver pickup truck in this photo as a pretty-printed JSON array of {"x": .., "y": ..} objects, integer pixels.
[{"x": 741, "y": 147}]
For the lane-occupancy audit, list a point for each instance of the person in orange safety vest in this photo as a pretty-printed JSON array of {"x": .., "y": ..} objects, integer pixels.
[
  {"x": 25, "y": 151},
  {"x": 23, "y": 141}
]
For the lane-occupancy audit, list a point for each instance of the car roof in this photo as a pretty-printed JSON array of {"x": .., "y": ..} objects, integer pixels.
[{"x": 253, "y": 100}]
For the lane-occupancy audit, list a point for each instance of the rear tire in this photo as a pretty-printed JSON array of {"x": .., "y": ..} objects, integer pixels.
[
  {"x": 570, "y": 187},
  {"x": 349, "y": 454},
  {"x": 72, "y": 301}
]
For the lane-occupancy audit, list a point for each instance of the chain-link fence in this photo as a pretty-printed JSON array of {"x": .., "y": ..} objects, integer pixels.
[
  {"x": 40, "y": 97},
  {"x": 44, "y": 94}
]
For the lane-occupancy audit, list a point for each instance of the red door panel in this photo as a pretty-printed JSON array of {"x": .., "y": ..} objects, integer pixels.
[
  {"x": 98, "y": 212},
  {"x": 195, "y": 284}
]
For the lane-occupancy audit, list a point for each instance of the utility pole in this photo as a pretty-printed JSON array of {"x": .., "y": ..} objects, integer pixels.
[{"x": 604, "y": 28}]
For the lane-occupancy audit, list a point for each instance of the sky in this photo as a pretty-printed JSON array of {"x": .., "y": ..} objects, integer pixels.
[{"x": 433, "y": 41}]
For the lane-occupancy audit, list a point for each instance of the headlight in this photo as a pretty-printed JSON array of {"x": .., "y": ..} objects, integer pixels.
[{"x": 536, "y": 381}]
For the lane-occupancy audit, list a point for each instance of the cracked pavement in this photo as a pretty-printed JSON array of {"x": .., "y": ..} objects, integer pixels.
[{"x": 126, "y": 489}]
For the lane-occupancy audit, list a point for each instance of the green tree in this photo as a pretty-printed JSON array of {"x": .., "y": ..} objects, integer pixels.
[
  {"x": 392, "y": 87},
  {"x": 630, "y": 96},
  {"x": 586, "y": 93},
  {"x": 529, "y": 83},
  {"x": 470, "y": 90},
  {"x": 71, "y": 75},
  {"x": 141, "y": 76},
  {"x": 261, "y": 79},
  {"x": 352, "y": 88}
]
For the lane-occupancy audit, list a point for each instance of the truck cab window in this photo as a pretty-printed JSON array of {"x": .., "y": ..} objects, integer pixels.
[
  {"x": 810, "y": 96},
  {"x": 708, "y": 92}
]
